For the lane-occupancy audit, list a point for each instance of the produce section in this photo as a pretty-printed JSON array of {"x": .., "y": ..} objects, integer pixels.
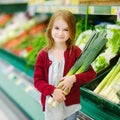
[
  {"x": 19, "y": 89},
  {"x": 22, "y": 35}
]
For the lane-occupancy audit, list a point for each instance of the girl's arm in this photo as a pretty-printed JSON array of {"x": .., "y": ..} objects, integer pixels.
[
  {"x": 77, "y": 79},
  {"x": 40, "y": 76},
  {"x": 68, "y": 82}
]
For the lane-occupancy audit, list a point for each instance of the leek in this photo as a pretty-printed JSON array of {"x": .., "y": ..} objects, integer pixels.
[
  {"x": 85, "y": 52},
  {"x": 91, "y": 57}
]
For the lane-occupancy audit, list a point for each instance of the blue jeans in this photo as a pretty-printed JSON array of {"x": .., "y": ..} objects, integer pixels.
[{"x": 72, "y": 117}]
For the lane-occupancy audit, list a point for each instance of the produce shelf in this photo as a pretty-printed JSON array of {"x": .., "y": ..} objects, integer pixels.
[
  {"x": 105, "y": 109},
  {"x": 9, "y": 110},
  {"x": 95, "y": 111},
  {"x": 81, "y": 9},
  {"x": 16, "y": 86},
  {"x": 16, "y": 61}
]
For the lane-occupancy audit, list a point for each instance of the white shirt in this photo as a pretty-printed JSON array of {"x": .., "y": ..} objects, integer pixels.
[{"x": 61, "y": 111}]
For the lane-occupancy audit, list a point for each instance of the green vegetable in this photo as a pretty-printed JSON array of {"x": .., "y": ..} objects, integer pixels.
[
  {"x": 91, "y": 56},
  {"x": 118, "y": 94},
  {"x": 84, "y": 54},
  {"x": 111, "y": 49},
  {"x": 110, "y": 81},
  {"x": 107, "y": 87},
  {"x": 100, "y": 63},
  {"x": 114, "y": 42},
  {"x": 25, "y": 43},
  {"x": 83, "y": 38},
  {"x": 79, "y": 27},
  {"x": 38, "y": 43},
  {"x": 87, "y": 57}
]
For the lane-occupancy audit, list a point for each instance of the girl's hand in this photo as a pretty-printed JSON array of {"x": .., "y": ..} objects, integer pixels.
[
  {"x": 68, "y": 82},
  {"x": 58, "y": 95}
]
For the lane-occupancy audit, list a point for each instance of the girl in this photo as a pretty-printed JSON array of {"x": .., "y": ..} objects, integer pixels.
[{"x": 54, "y": 62}]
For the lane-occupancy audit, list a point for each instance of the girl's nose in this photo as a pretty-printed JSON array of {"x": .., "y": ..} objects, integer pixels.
[{"x": 60, "y": 32}]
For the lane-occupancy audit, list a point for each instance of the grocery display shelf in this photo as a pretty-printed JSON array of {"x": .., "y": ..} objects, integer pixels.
[
  {"x": 96, "y": 112},
  {"x": 20, "y": 90},
  {"x": 81, "y": 9},
  {"x": 13, "y": 7},
  {"x": 9, "y": 110},
  {"x": 101, "y": 107},
  {"x": 16, "y": 61}
]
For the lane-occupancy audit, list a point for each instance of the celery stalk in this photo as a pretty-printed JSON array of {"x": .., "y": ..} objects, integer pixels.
[
  {"x": 113, "y": 97},
  {"x": 114, "y": 78},
  {"x": 103, "y": 82},
  {"x": 111, "y": 80},
  {"x": 109, "y": 77}
]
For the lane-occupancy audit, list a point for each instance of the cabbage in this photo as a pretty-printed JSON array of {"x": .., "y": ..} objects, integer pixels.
[{"x": 111, "y": 49}]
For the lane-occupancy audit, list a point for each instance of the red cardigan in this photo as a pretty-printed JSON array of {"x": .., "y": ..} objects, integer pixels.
[{"x": 41, "y": 76}]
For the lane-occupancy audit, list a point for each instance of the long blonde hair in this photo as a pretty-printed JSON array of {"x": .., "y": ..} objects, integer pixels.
[{"x": 69, "y": 18}]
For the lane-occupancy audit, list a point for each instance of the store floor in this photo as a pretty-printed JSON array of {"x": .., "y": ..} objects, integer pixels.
[{"x": 8, "y": 110}]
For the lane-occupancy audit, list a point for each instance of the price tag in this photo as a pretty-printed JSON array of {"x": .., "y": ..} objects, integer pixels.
[
  {"x": 32, "y": 2},
  {"x": 113, "y": 10},
  {"x": 75, "y": 10},
  {"x": 91, "y": 10}
]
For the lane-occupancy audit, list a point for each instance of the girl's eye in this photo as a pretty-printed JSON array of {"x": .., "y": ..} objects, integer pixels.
[
  {"x": 65, "y": 29},
  {"x": 56, "y": 28}
]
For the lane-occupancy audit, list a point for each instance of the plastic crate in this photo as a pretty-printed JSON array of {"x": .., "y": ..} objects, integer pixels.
[{"x": 103, "y": 103}]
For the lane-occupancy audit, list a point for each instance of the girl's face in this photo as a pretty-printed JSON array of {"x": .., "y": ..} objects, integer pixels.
[{"x": 60, "y": 32}]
